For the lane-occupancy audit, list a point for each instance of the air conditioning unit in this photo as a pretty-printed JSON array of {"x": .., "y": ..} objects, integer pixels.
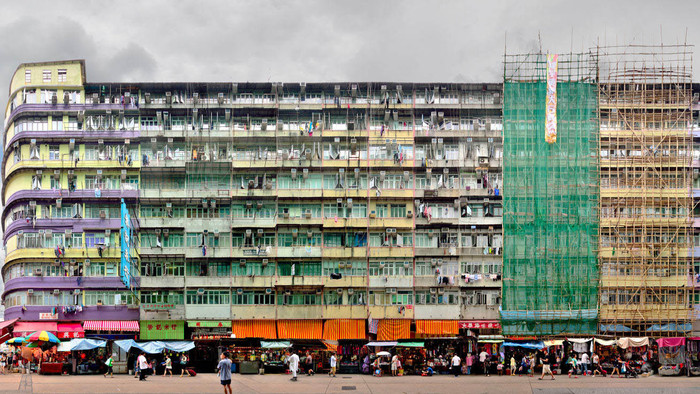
[
  {"x": 216, "y": 233},
  {"x": 103, "y": 214},
  {"x": 220, "y": 98},
  {"x": 265, "y": 262},
  {"x": 76, "y": 291},
  {"x": 307, "y": 214},
  {"x": 439, "y": 262},
  {"x": 57, "y": 174},
  {"x": 268, "y": 291},
  {"x": 341, "y": 265},
  {"x": 239, "y": 291},
  {"x": 445, "y": 230},
  {"x": 409, "y": 214},
  {"x": 248, "y": 233},
  {"x": 433, "y": 262},
  {"x": 433, "y": 290},
  {"x": 263, "y": 125},
  {"x": 339, "y": 291},
  {"x": 260, "y": 232},
  {"x": 309, "y": 234},
  {"x": 349, "y": 203},
  {"x": 351, "y": 291},
  {"x": 123, "y": 176},
  {"x": 242, "y": 262},
  {"x": 200, "y": 291},
  {"x": 391, "y": 290},
  {"x": 339, "y": 202},
  {"x": 157, "y": 231},
  {"x": 166, "y": 232},
  {"x": 30, "y": 291},
  {"x": 294, "y": 173},
  {"x": 305, "y": 173},
  {"x": 295, "y": 233},
  {"x": 56, "y": 291},
  {"x": 71, "y": 174},
  {"x": 108, "y": 232},
  {"x": 38, "y": 272},
  {"x": 441, "y": 291},
  {"x": 87, "y": 262}
]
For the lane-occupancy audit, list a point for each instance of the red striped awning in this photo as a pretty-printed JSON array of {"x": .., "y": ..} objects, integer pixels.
[{"x": 111, "y": 325}]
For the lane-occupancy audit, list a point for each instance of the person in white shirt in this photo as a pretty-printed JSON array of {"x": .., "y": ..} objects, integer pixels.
[
  {"x": 483, "y": 357},
  {"x": 143, "y": 365},
  {"x": 293, "y": 361},
  {"x": 584, "y": 363},
  {"x": 334, "y": 362},
  {"x": 456, "y": 364}
]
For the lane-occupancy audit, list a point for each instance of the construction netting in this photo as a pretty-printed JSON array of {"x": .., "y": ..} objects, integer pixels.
[{"x": 550, "y": 201}]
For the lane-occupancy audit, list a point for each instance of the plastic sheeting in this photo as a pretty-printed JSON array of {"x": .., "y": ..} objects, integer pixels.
[
  {"x": 526, "y": 345},
  {"x": 632, "y": 342},
  {"x": 80, "y": 344},
  {"x": 554, "y": 342},
  {"x": 383, "y": 343},
  {"x": 154, "y": 347},
  {"x": 275, "y": 344}
]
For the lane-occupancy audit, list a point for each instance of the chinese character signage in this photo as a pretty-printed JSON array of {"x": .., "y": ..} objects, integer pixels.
[
  {"x": 162, "y": 329},
  {"x": 550, "y": 132},
  {"x": 157, "y": 306},
  {"x": 125, "y": 243},
  {"x": 479, "y": 324}
]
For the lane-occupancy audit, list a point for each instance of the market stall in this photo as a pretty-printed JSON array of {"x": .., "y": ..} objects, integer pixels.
[
  {"x": 693, "y": 356},
  {"x": 671, "y": 356}
]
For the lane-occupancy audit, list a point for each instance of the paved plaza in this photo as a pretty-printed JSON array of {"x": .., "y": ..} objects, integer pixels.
[{"x": 208, "y": 383}]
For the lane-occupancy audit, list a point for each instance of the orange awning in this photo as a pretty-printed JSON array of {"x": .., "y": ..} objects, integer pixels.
[
  {"x": 437, "y": 327},
  {"x": 393, "y": 329},
  {"x": 265, "y": 329},
  {"x": 344, "y": 329},
  {"x": 300, "y": 329}
]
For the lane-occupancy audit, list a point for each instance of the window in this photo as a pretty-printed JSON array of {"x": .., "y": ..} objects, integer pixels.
[
  {"x": 253, "y": 298},
  {"x": 208, "y": 297},
  {"x": 398, "y": 211},
  {"x": 62, "y": 74},
  {"x": 54, "y": 152},
  {"x": 27, "y": 76},
  {"x": 46, "y": 76},
  {"x": 304, "y": 298}
]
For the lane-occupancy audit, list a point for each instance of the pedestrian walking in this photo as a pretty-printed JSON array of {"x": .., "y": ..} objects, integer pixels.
[
  {"x": 547, "y": 363},
  {"x": 183, "y": 365},
  {"x": 334, "y": 363},
  {"x": 456, "y": 363},
  {"x": 143, "y": 366},
  {"x": 109, "y": 363},
  {"x": 168, "y": 366},
  {"x": 309, "y": 364},
  {"x": 293, "y": 361},
  {"x": 224, "y": 372}
]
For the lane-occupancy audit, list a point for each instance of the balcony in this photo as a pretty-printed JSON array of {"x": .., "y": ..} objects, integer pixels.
[
  {"x": 299, "y": 252},
  {"x": 82, "y": 194},
  {"x": 648, "y": 312},
  {"x": 65, "y": 283},
  {"x": 162, "y": 282},
  {"x": 70, "y": 165},
  {"x": 238, "y": 222},
  {"x": 78, "y": 135},
  {"x": 638, "y": 281},
  {"x": 212, "y": 252},
  {"x": 344, "y": 312},
  {"x": 333, "y": 223},
  {"x": 201, "y": 312},
  {"x": 447, "y": 312},
  {"x": 299, "y": 280},
  {"x": 210, "y": 225},
  {"x": 344, "y": 253},
  {"x": 248, "y": 312},
  {"x": 243, "y": 252},
  {"x": 75, "y": 224},
  {"x": 390, "y": 281},
  {"x": 145, "y": 251},
  {"x": 382, "y": 223},
  {"x": 299, "y": 312},
  {"x": 161, "y": 223},
  {"x": 208, "y": 281},
  {"x": 257, "y": 282},
  {"x": 479, "y": 312},
  {"x": 345, "y": 282},
  {"x": 382, "y": 252},
  {"x": 50, "y": 253},
  {"x": 391, "y": 312}
]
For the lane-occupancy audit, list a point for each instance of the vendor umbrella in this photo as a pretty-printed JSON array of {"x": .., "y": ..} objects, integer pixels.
[
  {"x": 42, "y": 336},
  {"x": 387, "y": 354},
  {"x": 18, "y": 341}
]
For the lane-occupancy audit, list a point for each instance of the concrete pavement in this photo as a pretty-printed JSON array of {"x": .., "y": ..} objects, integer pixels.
[{"x": 209, "y": 383}]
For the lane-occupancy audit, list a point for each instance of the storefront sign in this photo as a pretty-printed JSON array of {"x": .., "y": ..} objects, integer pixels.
[
  {"x": 162, "y": 329},
  {"x": 125, "y": 243},
  {"x": 211, "y": 333},
  {"x": 479, "y": 324},
  {"x": 48, "y": 316},
  {"x": 70, "y": 334}
]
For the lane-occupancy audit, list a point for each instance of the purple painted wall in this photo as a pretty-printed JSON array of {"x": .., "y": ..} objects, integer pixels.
[
  {"x": 66, "y": 283},
  {"x": 59, "y": 225},
  {"x": 78, "y": 135},
  {"x": 89, "y": 313}
]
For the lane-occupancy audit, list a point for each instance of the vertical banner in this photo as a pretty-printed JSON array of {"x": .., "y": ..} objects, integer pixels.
[
  {"x": 125, "y": 244},
  {"x": 550, "y": 128}
]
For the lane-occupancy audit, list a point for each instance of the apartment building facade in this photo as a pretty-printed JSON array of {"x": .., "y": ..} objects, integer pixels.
[{"x": 297, "y": 210}]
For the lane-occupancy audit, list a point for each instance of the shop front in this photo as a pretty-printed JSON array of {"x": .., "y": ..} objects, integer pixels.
[
  {"x": 78, "y": 356},
  {"x": 207, "y": 335},
  {"x": 109, "y": 331},
  {"x": 349, "y": 336}
]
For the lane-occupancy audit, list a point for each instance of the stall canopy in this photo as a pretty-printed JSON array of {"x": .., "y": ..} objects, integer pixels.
[
  {"x": 266, "y": 329},
  {"x": 275, "y": 344},
  {"x": 670, "y": 342},
  {"x": 336, "y": 329},
  {"x": 4, "y": 334},
  {"x": 632, "y": 342},
  {"x": 162, "y": 329},
  {"x": 491, "y": 338},
  {"x": 7, "y": 323},
  {"x": 410, "y": 344},
  {"x": 437, "y": 327},
  {"x": 383, "y": 343},
  {"x": 70, "y": 330},
  {"x": 22, "y": 329},
  {"x": 209, "y": 323},
  {"x": 393, "y": 329},
  {"x": 604, "y": 342},
  {"x": 155, "y": 347},
  {"x": 526, "y": 345},
  {"x": 300, "y": 329},
  {"x": 80, "y": 344},
  {"x": 111, "y": 325}
]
